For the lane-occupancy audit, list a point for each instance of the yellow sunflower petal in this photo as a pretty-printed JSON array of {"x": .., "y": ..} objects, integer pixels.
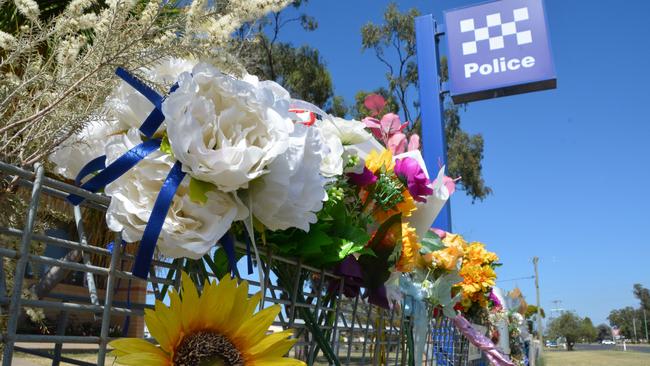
[
  {"x": 268, "y": 343},
  {"x": 254, "y": 329},
  {"x": 157, "y": 329},
  {"x": 225, "y": 293},
  {"x": 190, "y": 302},
  {"x": 278, "y": 361},
  {"x": 239, "y": 314},
  {"x": 135, "y": 345},
  {"x": 144, "y": 359}
]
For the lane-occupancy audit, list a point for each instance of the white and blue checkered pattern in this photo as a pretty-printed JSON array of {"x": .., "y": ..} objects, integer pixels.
[{"x": 495, "y": 42}]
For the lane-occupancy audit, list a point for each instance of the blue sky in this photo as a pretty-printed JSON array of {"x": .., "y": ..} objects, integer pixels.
[{"x": 569, "y": 167}]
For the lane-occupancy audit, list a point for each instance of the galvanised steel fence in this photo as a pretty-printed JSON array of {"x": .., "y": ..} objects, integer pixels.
[{"x": 355, "y": 332}]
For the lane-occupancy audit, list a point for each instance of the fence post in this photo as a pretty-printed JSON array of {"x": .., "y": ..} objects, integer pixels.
[{"x": 21, "y": 263}]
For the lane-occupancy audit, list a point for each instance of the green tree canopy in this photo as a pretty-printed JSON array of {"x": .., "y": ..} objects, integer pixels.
[
  {"x": 622, "y": 319},
  {"x": 571, "y": 327},
  {"x": 604, "y": 332}
]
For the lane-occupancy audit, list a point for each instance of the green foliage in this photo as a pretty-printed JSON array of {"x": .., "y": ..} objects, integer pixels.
[
  {"x": 589, "y": 331},
  {"x": 431, "y": 242},
  {"x": 572, "y": 328},
  {"x": 643, "y": 294},
  {"x": 337, "y": 107},
  {"x": 622, "y": 319},
  {"x": 397, "y": 35},
  {"x": 604, "y": 332},
  {"x": 339, "y": 232}
]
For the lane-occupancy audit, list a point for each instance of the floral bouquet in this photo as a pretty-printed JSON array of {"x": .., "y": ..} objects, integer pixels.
[{"x": 218, "y": 159}]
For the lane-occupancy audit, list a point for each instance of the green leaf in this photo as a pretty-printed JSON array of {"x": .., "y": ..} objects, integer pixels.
[
  {"x": 313, "y": 242},
  {"x": 430, "y": 243},
  {"x": 166, "y": 147},
  {"x": 219, "y": 264},
  {"x": 198, "y": 190}
]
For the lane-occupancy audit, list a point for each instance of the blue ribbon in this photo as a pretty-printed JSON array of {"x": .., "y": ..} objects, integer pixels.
[
  {"x": 115, "y": 170},
  {"x": 94, "y": 165},
  {"x": 154, "y": 225},
  {"x": 156, "y": 117},
  {"x": 228, "y": 245}
]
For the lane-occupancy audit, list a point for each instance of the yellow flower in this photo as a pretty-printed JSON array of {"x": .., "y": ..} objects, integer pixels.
[
  {"x": 476, "y": 279},
  {"x": 447, "y": 258},
  {"x": 375, "y": 160},
  {"x": 477, "y": 255},
  {"x": 219, "y": 327},
  {"x": 454, "y": 240},
  {"x": 410, "y": 249}
]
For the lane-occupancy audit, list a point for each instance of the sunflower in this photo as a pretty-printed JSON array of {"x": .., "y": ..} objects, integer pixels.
[
  {"x": 376, "y": 160},
  {"x": 217, "y": 328}
]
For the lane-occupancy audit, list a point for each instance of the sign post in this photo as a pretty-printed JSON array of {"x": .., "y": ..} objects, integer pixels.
[
  {"x": 434, "y": 144},
  {"x": 495, "y": 49}
]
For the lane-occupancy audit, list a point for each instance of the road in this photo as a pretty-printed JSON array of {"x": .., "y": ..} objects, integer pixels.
[{"x": 618, "y": 347}]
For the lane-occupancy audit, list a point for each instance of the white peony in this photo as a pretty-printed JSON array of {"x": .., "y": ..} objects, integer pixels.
[
  {"x": 130, "y": 108},
  {"x": 76, "y": 151},
  {"x": 226, "y": 131},
  {"x": 190, "y": 229},
  {"x": 293, "y": 191}
]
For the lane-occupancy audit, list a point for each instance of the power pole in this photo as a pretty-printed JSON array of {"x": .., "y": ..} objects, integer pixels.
[
  {"x": 539, "y": 309},
  {"x": 634, "y": 326}
]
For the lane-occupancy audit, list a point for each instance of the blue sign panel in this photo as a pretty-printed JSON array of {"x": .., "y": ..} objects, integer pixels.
[{"x": 498, "y": 48}]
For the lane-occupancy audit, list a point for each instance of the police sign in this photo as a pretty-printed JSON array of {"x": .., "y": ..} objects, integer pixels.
[{"x": 498, "y": 48}]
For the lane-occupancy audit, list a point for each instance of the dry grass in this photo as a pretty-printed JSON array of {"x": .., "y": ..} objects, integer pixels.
[{"x": 596, "y": 358}]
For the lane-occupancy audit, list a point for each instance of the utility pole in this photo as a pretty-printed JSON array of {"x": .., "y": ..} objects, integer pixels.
[
  {"x": 539, "y": 309},
  {"x": 634, "y": 326}
]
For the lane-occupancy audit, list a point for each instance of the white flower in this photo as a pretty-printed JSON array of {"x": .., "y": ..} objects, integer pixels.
[
  {"x": 225, "y": 131},
  {"x": 293, "y": 191},
  {"x": 339, "y": 133},
  {"x": 129, "y": 107},
  {"x": 79, "y": 149},
  {"x": 350, "y": 132},
  {"x": 190, "y": 229},
  {"x": 28, "y": 8}
]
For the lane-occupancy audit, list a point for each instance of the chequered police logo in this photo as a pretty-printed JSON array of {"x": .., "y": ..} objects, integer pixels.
[{"x": 496, "y": 42}]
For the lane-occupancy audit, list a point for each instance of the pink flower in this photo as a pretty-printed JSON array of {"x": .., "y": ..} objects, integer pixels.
[{"x": 408, "y": 170}]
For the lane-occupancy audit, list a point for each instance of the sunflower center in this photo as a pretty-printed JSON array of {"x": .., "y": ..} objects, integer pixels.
[{"x": 207, "y": 349}]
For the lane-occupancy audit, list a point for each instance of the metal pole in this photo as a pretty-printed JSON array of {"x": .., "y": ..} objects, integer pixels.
[
  {"x": 434, "y": 144},
  {"x": 108, "y": 300},
  {"x": 21, "y": 264},
  {"x": 540, "y": 333}
]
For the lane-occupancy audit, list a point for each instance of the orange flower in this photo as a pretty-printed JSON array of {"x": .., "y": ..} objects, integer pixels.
[
  {"x": 477, "y": 255},
  {"x": 476, "y": 279}
]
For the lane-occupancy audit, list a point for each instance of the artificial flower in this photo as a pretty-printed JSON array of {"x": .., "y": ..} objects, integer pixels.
[
  {"x": 363, "y": 179},
  {"x": 224, "y": 130},
  {"x": 408, "y": 170},
  {"x": 128, "y": 107},
  {"x": 293, "y": 191},
  {"x": 447, "y": 258},
  {"x": 476, "y": 254},
  {"x": 208, "y": 330},
  {"x": 455, "y": 240},
  {"x": 350, "y": 132},
  {"x": 332, "y": 163},
  {"x": 376, "y": 160},
  {"x": 79, "y": 149},
  {"x": 476, "y": 280},
  {"x": 410, "y": 249},
  {"x": 190, "y": 228}
]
